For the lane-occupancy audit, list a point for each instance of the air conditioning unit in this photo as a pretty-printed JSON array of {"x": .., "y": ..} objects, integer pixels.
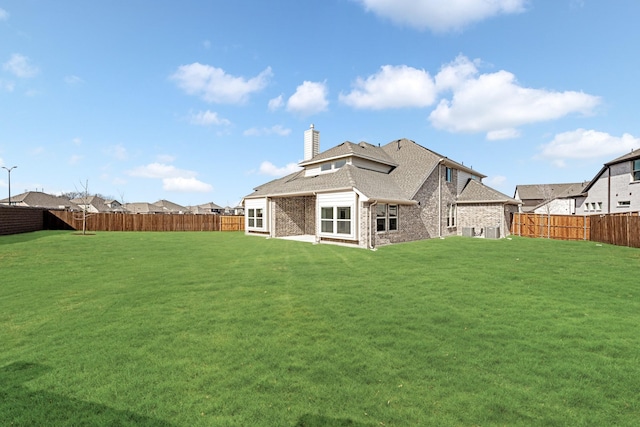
[
  {"x": 492, "y": 232},
  {"x": 467, "y": 231}
]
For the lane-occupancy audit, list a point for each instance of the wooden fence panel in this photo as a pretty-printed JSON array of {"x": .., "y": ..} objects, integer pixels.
[
  {"x": 561, "y": 227},
  {"x": 152, "y": 222},
  {"x": 621, "y": 230}
]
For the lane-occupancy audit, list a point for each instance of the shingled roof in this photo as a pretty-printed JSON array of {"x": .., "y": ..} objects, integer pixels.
[
  {"x": 412, "y": 164},
  {"x": 477, "y": 192},
  {"x": 39, "y": 199}
]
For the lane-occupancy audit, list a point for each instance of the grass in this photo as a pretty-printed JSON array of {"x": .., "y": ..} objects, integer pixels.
[{"x": 221, "y": 329}]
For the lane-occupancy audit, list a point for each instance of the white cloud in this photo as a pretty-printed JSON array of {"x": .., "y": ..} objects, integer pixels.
[
  {"x": 173, "y": 179},
  {"x": 392, "y": 87},
  {"x": 510, "y": 133},
  {"x": 75, "y": 159},
  {"x": 586, "y": 144},
  {"x": 19, "y": 65},
  {"x": 442, "y": 15},
  {"x": 268, "y": 168},
  {"x": 185, "y": 185},
  {"x": 208, "y": 118},
  {"x": 273, "y": 130},
  {"x": 4, "y": 15},
  {"x": 310, "y": 98},
  {"x": 159, "y": 170},
  {"x": 77, "y": 141},
  {"x": 497, "y": 104},
  {"x": 275, "y": 103},
  {"x": 215, "y": 85}
]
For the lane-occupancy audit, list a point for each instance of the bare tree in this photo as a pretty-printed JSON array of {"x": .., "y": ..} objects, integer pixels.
[{"x": 84, "y": 206}]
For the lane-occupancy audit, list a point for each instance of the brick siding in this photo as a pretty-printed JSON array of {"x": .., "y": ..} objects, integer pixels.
[{"x": 294, "y": 216}]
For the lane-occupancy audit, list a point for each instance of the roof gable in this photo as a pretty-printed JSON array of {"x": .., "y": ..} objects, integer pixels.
[
  {"x": 477, "y": 192},
  {"x": 349, "y": 149}
]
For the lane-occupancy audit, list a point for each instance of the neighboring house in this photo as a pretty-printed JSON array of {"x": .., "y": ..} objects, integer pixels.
[
  {"x": 368, "y": 195},
  {"x": 114, "y": 205},
  {"x": 171, "y": 208},
  {"x": 92, "y": 204},
  {"x": 238, "y": 210},
  {"x": 143, "y": 208},
  {"x": 38, "y": 199},
  {"x": 558, "y": 199},
  {"x": 615, "y": 188},
  {"x": 206, "y": 209}
]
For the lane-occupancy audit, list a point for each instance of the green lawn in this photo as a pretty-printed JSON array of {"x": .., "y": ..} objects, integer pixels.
[{"x": 221, "y": 329}]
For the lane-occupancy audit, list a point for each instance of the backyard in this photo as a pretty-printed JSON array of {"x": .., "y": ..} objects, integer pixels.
[{"x": 223, "y": 329}]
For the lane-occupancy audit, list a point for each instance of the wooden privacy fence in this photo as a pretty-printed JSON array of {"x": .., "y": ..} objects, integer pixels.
[
  {"x": 621, "y": 230},
  {"x": 144, "y": 222},
  {"x": 560, "y": 227}
]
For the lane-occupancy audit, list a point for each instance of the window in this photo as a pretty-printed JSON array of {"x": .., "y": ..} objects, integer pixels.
[
  {"x": 344, "y": 220},
  {"x": 624, "y": 203},
  {"x": 451, "y": 215},
  {"x": 449, "y": 174},
  {"x": 254, "y": 218},
  {"x": 393, "y": 217},
  {"x": 386, "y": 217},
  {"x": 326, "y": 220},
  {"x": 636, "y": 170},
  {"x": 335, "y": 220},
  {"x": 333, "y": 165},
  {"x": 599, "y": 206},
  {"x": 381, "y": 217}
]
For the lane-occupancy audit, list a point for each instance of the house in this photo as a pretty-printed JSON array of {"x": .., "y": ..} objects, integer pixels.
[
  {"x": 38, "y": 199},
  {"x": 554, "y": 199},
  {"x": 614, "y": 189},
  {"x": 206, "y": 209},
  {"x": 143, "y": 208},
  {"x": 367, "y": 195},
  {"x": 92, "y": 204},
  {"x": 171, "y": 208},
  {"x": 238, "y": 210}
]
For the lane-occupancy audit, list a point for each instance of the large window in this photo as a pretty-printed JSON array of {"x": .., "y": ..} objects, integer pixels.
[
  {"x": 636, "y": 170},
  {"x": 386, "y": 217},
  {"x": 254, "y": 218},
  {"x": 335, "y": 219},
  {"x": 449, "y": 174}
]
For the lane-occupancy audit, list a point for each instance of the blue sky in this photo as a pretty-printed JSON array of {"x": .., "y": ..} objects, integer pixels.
[{"x": 198, "y": 101}]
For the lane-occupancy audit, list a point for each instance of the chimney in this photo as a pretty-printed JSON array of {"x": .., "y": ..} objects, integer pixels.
[{"x": 311, "y": 143}]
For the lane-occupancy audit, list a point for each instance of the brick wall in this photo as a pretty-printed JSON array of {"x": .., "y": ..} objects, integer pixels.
[
  {"x": 482, "y": 215},
  {"x": 418, "y": 222},
  {"x": 19, "y": 219},
  {"x": 294, "y": 216}
]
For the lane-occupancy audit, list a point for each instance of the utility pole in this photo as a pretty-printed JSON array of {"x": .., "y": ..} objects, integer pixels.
[{"x": 9, "y": 182}]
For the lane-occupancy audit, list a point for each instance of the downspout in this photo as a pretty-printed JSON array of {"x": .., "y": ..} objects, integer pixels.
[
  {"x": 609, "y": 189},
  {"x": 440, "y": 198},
  {"x": 372, "y": 239}
]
